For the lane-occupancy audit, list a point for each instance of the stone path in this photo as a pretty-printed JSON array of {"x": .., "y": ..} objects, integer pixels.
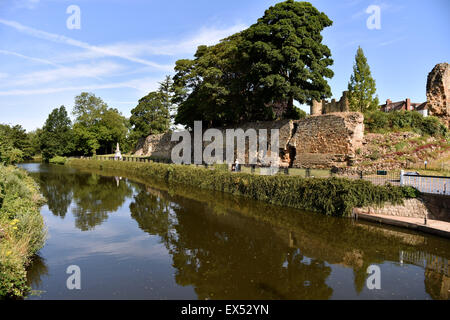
[{"x": 439, "y": 228}]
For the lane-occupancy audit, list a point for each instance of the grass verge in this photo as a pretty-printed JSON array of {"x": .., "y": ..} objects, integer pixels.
[{"x": 22, "y": 231}]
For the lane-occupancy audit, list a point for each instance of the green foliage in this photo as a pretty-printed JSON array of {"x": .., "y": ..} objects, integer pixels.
[
  {"x": 22, "y": 231},
  {"x": 56, "y": 137},
  {"x": 166, "y": 91},
  {"x": 375, "y": 155},
  {"x": 333, "y": 196},
  {"x": 379, "y": 121},
  {"x": 15, "y": 144},
  {"x": 362, "y": 87},
  {"x": 58, "y": 160},
  {"x": 97, "y": 128},
  {"x": 257, "y": 74},
  {"x": 151, "y": 116}
]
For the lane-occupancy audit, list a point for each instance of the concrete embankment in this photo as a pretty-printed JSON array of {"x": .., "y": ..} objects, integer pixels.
[{"x": 428, "y": 213}]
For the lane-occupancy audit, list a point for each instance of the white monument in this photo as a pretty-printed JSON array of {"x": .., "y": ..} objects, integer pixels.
[{"x": 118, "y": 155}]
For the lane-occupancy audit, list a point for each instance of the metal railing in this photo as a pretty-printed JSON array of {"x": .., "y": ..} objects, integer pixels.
[{"x": 426, "y": 184}]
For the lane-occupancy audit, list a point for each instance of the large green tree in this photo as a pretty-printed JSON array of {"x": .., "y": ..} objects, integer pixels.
[
  {"x": 362, "y": 86},
  {"x": 257, "y": 74},
  {"x": 285, "y": 58},
  {"x": 56, "y": 137},
  {"x": 151, "y": 116},
  {"x": 97, "y": 128}
]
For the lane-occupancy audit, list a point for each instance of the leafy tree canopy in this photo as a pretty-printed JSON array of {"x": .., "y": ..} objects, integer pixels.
[
  {"x": 257, "y": 74},
  {"x": 56, "y": 137},
  {"x": 15, "y": 144},
  {"x": 97, "y": 127},
  {"x": 151, "y": 115}
]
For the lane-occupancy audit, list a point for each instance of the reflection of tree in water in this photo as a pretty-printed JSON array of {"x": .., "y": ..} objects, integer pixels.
[
  {"x": 35, "y": 271},
  {"x": 56, "y": 186},
  {"x": 226, "y": 257},
  {"x": 153, "y": 214},
  {"x": 95, "y": 196}
]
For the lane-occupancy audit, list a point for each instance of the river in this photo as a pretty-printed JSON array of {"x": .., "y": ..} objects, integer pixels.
[{"x": 143, "y": 240}]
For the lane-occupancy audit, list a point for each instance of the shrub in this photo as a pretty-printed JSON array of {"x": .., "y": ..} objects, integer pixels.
[
  {"x": 378, "y": 121},
  {"x": 332, "y": 196},
  {"x": 58, "y": 160}
]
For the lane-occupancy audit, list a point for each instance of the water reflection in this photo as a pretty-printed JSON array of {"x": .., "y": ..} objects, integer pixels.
[
  {"x": 38, "y": 269},
  {"x": 93, "y": 196},
  {"x": 228, "y": 247},
  {"x": 228, "y": 258}
]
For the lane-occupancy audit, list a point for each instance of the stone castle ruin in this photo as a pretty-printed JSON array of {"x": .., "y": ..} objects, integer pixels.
[
  {"x": 438, "y": 92},
  {"x": 328, "y": 138},
  {"x": 315, "y": 142},
  {"x": 325, "y": 107}
]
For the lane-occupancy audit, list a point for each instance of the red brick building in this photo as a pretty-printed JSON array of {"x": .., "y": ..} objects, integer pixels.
[{"x": 405, "y": 105}]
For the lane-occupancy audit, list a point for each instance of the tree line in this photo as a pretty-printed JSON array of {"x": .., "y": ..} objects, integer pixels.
[{"x": 257, "y": 74}]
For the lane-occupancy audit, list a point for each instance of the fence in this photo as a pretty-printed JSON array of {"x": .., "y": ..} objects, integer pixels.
[{"x": 426, "y": 184}]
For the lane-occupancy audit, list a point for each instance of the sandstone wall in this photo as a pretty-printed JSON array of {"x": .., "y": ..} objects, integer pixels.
[
  {"x": 438, "y": 92},
  {"x": 327, "y": 140},
  {"x": 315, "y": 142}
]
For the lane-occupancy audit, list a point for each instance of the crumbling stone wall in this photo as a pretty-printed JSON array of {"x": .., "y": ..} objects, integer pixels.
[
  {"x": 315, "y": 142},
  {"x": 327, "y": 140},
  {"x": 438, "y": 92}
]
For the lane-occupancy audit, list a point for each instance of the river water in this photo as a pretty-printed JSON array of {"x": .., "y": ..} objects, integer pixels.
[{"x": 143, "y": 240}]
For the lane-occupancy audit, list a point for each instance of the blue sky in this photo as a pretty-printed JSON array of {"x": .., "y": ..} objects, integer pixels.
[{"x": 125, "y": 47}]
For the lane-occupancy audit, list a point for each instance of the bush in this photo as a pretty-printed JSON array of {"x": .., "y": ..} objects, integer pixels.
[
  {"x": 58, "y": 160},
  {"x": 9, "y": 155},
  {"x": 333, "y": 196},
  {"x": 378, "y": 121},
  {"x": 22, "y": 231}
]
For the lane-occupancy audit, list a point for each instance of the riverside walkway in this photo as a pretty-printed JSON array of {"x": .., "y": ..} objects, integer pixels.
[{"x": 435, "y": 227}]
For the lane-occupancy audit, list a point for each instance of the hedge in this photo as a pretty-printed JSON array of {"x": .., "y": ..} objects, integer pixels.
[
  {"x": 331, "y": 196},
  {"x": 379, "y": 122}
]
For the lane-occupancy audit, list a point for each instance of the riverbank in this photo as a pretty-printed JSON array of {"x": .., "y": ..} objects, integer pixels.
[
  {"x": 332, "y": 196},
  {"x": 22, "y": 231}
]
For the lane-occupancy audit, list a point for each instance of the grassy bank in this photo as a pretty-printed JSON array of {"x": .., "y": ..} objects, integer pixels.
[
  {"x": 333, "y": 196},
  {"x": 22, "y": 231}
]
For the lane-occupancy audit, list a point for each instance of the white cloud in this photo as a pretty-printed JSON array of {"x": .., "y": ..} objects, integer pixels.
[
  {"x": 66, "y": 73},
  {"x": 75, "y": 43},
  {"x": 143, "y": 85},
  {"x": 44, "y": 61},
  {"x": 206, "y": 36},
  {"x": 27, "y": 4}
]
